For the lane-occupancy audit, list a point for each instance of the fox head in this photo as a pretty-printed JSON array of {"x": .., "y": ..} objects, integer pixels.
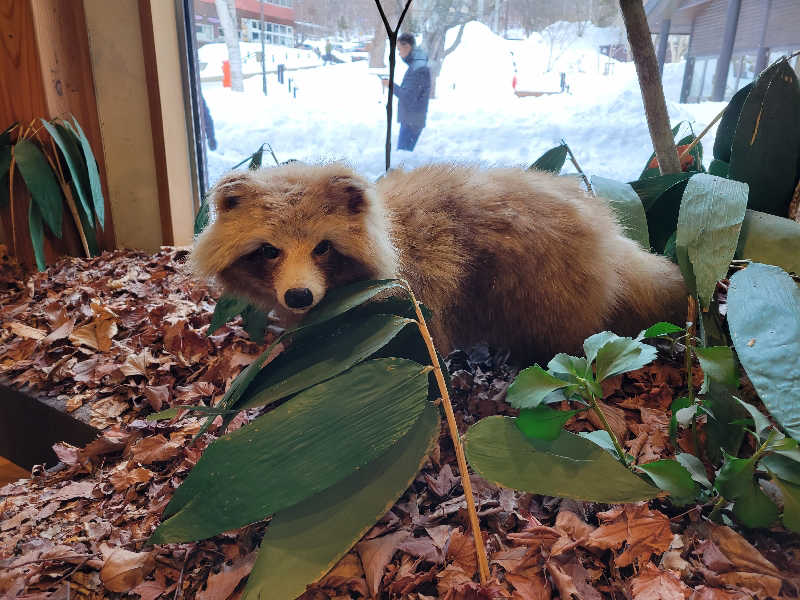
[{"x": 291, "y": 233}]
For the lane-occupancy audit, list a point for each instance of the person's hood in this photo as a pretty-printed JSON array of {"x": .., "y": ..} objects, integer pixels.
[{"x": 416, "y": 58}]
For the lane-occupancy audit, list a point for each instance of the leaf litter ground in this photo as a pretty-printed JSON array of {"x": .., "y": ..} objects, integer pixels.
[{"x": 115, "y": 338}]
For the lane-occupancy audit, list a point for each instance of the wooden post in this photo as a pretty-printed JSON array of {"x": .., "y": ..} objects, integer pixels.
[
  {"x": 655, "y": 106},
  {"x": 663, "y": 38},
  {"x": 724, "y": 60}
]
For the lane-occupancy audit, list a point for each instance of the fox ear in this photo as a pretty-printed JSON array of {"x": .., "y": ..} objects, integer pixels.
[
  {"x": 349, "y": 191},
  {"x": 228, "y": 192}
]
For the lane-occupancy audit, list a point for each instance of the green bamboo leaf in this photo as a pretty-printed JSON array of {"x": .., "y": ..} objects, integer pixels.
[
  {"x": 661, "y": 197},
  {"x": 256, "y": 159},
  {"x": 695, "y": 467},
  {"x": 791, "y": 504},
  {"x": 227, "y": 308},
  {"x": 312, "y": 359},
  {"x": 766, "y": 146},
  {"x": 723, "y": 140},
  {"x": 163, "y": 415},
  {"x": 551, "y": 161},
  {"x": 41, "y": 183},
  {"x": 569, "y": 467},
  {"x": 297, "y": 450},
  {"x": 531, "y": 387},
  {"x": 542, "y": 422},
  {"x": 303, "y": 542},
  {"x": 660, "y": 329},
  {"x": 627, "y": 207},
  {"x": 672, "y": 477},
  {"x": 91, "y": 167},
  {"x": 764, "y": 321},
  {"x": 709, "y": 221},
  {"x": 74, "y": 160},
  {"x": 37, "y": 235},
  {"x": 255, "y": 323},
  {"x": 718, "y": 364},
  {"x": 770, "y": 240}
]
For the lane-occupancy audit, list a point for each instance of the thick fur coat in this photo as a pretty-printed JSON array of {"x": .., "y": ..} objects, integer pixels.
[{"x": 519, "y": 259}]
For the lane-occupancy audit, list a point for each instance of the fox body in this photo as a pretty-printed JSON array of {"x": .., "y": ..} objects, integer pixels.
[{"x": 520, "y": 259}]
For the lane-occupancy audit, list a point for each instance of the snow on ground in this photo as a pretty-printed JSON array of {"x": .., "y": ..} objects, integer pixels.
[{"x": 338, "y": 112}]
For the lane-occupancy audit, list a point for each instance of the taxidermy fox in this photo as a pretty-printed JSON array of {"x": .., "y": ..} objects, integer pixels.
[{"x": 519, "y": 259}]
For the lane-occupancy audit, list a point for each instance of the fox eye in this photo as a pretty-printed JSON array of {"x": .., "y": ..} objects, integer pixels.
[
  {"x": 267, "y": 251},
  {"x": 322, "y": 248}
]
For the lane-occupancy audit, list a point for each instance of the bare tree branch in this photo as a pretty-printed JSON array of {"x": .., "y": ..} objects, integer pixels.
[{"x": 456, "y": 42}]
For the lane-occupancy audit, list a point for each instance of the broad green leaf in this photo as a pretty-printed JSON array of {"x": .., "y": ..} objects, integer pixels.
[
  {"x": 791, "y": 504},
  {"x": 661, "y": 197},
  {"x": 719, "y": 168},
  {"x": 672, "y": 477},
  {"x": 552, "y": 160},
  {"x": 660, "y": 329},
  {"x": 303, "y": 542},
  {"x": 543, "y": 422},
  {"x": 602, "y": 439},
  {"x": 766, "y": 146},
  {"x": 770, "y": 240},
  {"x": 695, "y": 467},
  {"x": 569, "y": 467},
  {"x": 779, "y": 442},
  {"x": 735, "y": 478},
  {"x": 709, "y": 221},
  {"x": 255, "y": 323},
  {"x": 722, "y": 430},
  {"x": 723, "y": 140},
  {"x": 621, "y": 355},
  {"x": 570, "y": 365},
  {"x": 761, "y": 423},
  {"x": 297, "y": 450},
  {"x": 41, "y": 183},
  {"x": 678, "y": 404},
  {"x": 791, "y": 454},
  {"x": 94, "y": 175},
  {"x": 627, "y": 207},
  {"x": 531, "y": 387},
  {"x": 718, "y": 364},
  {"x": 37, "y": 235},
  {"x": 592, "y": 344},
  {"x": 75, "y": 164},
  {"x": 782, "y": 467},
  {"x": 312, "y": 359},
  {"x": 754, "y": 508},
  {"x": 226, "y": 309},
  {"x": 764, "y": 321}
]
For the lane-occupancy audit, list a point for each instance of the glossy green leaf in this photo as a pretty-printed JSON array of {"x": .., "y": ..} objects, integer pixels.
[
  {"x": 255, "y": 323},
  {"x": 719, "y": 168},
  {"x": 36, "y": 229},
  {"x": 723, "y": 140},
  {"x": 735, "y": 478},
  {"x": 766, "y": 146},
  {"x": 569, "y": 467},
  {"x": 94, "y": 175},
  {"x": 531, "y": 387},
  {"x": 661, "y": 197},
  {"x": 661, "y": 329},
  {"x": 754, "y": 508},
  {"x": 552, "y": 160},
  {"x": 718, "y": 364},
  {"x": 760, "y": 422},
  {"x": 695, "y": 467},
  {"x": 722, "y": 430},
  {"x": 543, "y": 422},
  {"x": 764, "y": 321},
  {"x": 41, "y": 183},
  {"x": 709, "y": 221},
  {"x": 782, "y": 467},
  {"x": 672, "y": 477},
  {"x": 226, "y": 309},
  {"x": 615, "y": 354},
  {"x": 627, "y": 207},
  {"x": 770, "y": 240},
  {"x": 312, "y": 359},
  {"x": 297, "y": 450},
  {"x": 603, "y": 439},
  {"x": 74, "y": 159},
  {"x": 303, "y": 542},
  {"x": 791, "y": 504},
  {"x": 570, "y": 365}
]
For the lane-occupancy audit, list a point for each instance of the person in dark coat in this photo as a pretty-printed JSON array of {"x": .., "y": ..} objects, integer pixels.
[{"x": 412, "y": 94}]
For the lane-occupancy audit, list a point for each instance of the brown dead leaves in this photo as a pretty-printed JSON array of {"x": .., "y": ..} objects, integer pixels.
[
  {"x": 640, "y": 531},
  {"x": 124, "y": 570}
]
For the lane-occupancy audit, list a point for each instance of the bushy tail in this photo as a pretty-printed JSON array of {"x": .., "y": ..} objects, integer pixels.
[{"x": 652, "y": 290}]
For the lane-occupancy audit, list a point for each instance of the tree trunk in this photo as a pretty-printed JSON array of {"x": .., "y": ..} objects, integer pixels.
[
  {"x": 655, "y": 106},
  {"x": 377, "y": 48},
  {"x": 226, "y": 12}
]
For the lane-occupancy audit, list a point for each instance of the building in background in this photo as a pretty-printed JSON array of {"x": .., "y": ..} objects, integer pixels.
[
  {"x": 279, "y": 25},
  {"x": 730, "y": 41}
]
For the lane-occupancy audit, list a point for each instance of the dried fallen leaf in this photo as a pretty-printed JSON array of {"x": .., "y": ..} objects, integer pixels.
[
  {"x": 155, "y": 448},
  {"x": 461, "y": 551},
  {"x": 653, "y": 583},
  {"x": 97, "y": 334},
  {"x": 529, "y": 587},
  {"x": 221, "y": 585},
  {"x": 25, "y": 331},
  {"x": 123, "y": 479},
  {"x": 642, "y": 531},
  {"x": 123, "y": 570},
  {"x": 376, "y": 553}
]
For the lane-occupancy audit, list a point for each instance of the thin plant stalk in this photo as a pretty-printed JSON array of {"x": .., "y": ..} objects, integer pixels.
[
  {"x": 578, "y": 167},
  {"x": 601, "y": 415},
  {"x": 73, "y": 209},
  {"x": 696, "y": 140},
  {"x": 480, "y": 550},
  {"x": 691, "y": 319}
]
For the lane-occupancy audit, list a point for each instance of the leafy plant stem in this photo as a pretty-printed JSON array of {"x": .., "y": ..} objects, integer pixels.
[
  {"x": 601, "y": 415},
  {"x": 714, "y": 516},
  {"x": 691, "y": 317},
  {"x": 73, "y": 209},
  {"x": 578, "y": 167},
  {"x": 696, "y": 141},
  {"x": 480, "y": 550}
]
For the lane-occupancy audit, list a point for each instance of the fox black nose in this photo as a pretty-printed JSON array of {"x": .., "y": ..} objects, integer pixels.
[{"x": 298, "y": 297}]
